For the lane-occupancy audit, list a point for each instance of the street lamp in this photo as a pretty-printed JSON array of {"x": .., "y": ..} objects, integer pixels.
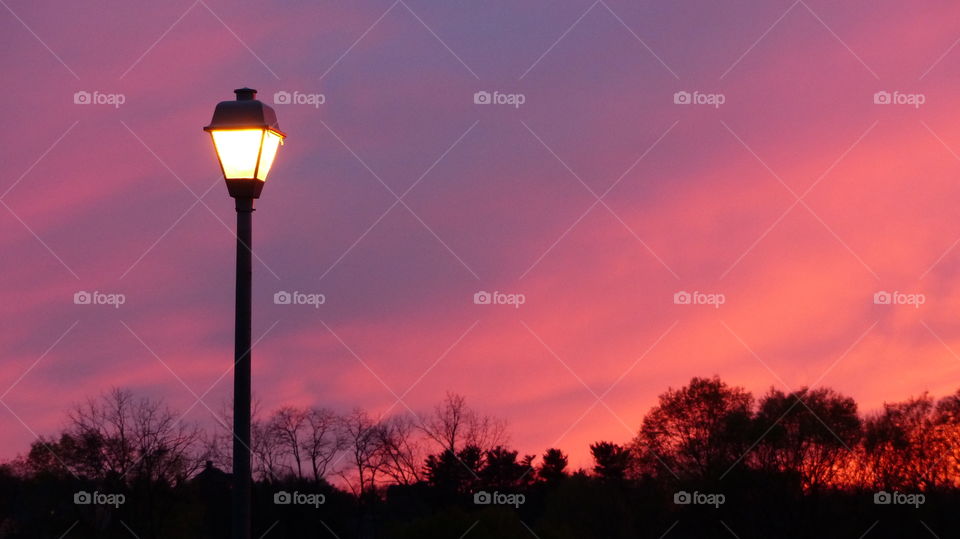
[{"x": 246, "y": 137}]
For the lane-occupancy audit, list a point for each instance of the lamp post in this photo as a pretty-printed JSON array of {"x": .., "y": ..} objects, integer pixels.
[{"x": 246, "y": 138}]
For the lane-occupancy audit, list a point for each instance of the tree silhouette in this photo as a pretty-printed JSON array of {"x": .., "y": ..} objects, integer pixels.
[
  {"x": 611, "y": 461},
  {"x": 453, "y": 425},
  {"x": 553, "y": 466},
  {"x": 502, "y": 471},
  {"x": 401, "y": 453},
  {"x": 324, "y": 440},
  {"x": 947, "y": 417},
  {"x": 455, "y": 473},
  {"x": 807, "y": 432},
  {"x": 362, "y": 435},
  {"x": 123, "y": 438},
  {"x": 289, "y": 426},
  {"x": 913, "y": 444},
  {"x": 807, "y": 465},
  {"x": 698, "y": 431}
]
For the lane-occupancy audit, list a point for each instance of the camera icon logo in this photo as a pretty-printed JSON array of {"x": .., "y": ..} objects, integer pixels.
[
  {"x": 882, "y": 498},
  {"x": 482, "y": 298},
  {"x": 482, "y": 98},
  {"x": 282, "y": 498},
  {"x": 82, "y": 98},
  {"x": 82, "y": 298},
  {"x": 682, "y": 298},
  {"x": 682, "y": 498},
  {"x": 82, "y": 498},
  {"x": 282, "y": 298},
  {"x": 482, "y": 498},
  {"x": 682, "y": 98},
  {"x": 882, "y": 298},
  {"x": 282, "y": 98},
  {"x": 882, "y": 98}
]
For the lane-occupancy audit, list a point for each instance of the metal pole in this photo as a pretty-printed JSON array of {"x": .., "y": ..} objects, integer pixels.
[{"x": 241, "y": 372}]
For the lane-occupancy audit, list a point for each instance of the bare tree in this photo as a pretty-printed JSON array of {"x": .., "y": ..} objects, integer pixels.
[
  {"x": 363, "y": 439},
  {"x": 124, "y": 438},
  {"x": 288, "y": 426},
  {"x": 267, "y": 449},
  {"x": 453, "y": 425},
  {"x": 400, "y": 450},
  {"x": 218, "y": 443},
  {"x": 323, "y": 440},
  {"x": 102, "y": 427},
  {"x": 166, "y": 446}
]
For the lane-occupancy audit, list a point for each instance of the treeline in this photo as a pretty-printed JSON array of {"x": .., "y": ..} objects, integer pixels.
[{"x": 709, "y": 460}]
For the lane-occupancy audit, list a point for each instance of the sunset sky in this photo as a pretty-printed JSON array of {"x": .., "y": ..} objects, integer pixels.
[{"x": 398, "y": 198}]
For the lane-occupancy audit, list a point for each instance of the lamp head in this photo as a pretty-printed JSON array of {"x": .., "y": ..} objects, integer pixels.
[{"x": 246, "y": 136}]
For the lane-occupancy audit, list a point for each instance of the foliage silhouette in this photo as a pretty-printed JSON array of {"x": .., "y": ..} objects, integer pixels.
[{"x": 707, "y": 461}]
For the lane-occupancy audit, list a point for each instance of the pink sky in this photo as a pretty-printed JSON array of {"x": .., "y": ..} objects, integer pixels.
[{"x": 105, "y": 198}]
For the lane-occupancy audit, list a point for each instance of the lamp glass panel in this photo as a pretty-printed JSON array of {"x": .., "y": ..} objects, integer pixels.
[
  {"x": 238, "y": 150},
  {"x": 271, "y": 142}
]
